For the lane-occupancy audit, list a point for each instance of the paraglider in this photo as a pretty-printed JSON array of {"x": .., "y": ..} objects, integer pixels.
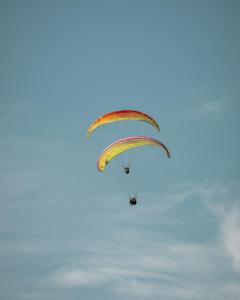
[
  {"x": 121, "y": 115},
  {"x": 124, "y": 144},
  {"x": 133, "y": 200},
  {"x": 126, "y": 168}
]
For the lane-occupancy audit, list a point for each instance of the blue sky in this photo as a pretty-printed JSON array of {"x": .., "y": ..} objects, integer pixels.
[{"x": 66, "y": 230}]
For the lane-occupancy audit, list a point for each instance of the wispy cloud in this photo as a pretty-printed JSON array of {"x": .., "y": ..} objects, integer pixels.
[
  {"x": 230, "y": 228},
  {"x": 179, "y": 271},
  {"x": 134, "y": 265},
  {"x": 223, "y": 202},
  {"x": 210, "y": 108}
]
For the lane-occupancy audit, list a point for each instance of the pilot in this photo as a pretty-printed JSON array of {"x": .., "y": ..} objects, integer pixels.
[
  {"x": 126, "y": 169},
  {"x": 133, "y": 200}
]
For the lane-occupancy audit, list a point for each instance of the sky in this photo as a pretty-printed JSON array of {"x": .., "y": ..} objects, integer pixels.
[{"x": 66, "y": 230}]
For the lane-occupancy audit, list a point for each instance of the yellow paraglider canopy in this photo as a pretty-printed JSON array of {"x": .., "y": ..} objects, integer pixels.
[{"x": 124, "y": 144}]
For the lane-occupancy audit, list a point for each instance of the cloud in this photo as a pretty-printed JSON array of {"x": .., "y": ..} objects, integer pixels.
[
  {"x": 79, "y": 277},
  {"x": 222, "y": 200},
  {"x": 230, "y": 228},
  {"x": 134, "y": 265},
  {"x": 179, "y": 271},
  {"x": 210, "y": 108}
]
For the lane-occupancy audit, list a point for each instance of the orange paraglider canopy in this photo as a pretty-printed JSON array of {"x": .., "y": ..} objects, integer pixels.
[{"x": 119, "y": 116}]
